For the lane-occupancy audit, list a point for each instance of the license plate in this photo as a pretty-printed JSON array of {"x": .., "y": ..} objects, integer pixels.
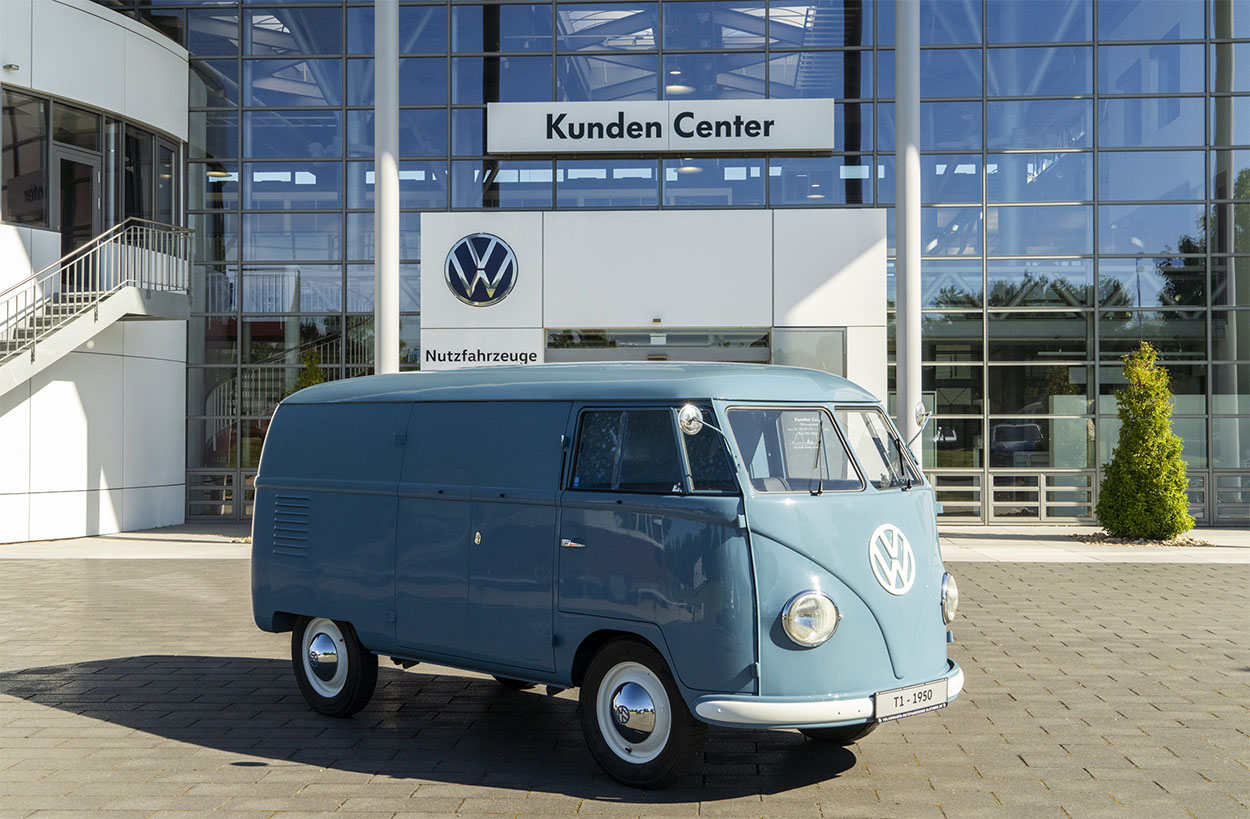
[{"x": 914, "y": 699}]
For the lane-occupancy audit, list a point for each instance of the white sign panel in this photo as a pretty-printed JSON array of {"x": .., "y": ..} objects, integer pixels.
[
  {"x": 676, "y": 126},
  {"x": 452, "y": 349}
]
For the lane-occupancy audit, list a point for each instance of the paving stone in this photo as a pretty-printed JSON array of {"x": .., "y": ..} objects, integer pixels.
[{"x": 1078, "y": 693}]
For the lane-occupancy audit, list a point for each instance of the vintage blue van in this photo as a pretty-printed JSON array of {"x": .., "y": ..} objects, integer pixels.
[{"x": 741, "y": 545}]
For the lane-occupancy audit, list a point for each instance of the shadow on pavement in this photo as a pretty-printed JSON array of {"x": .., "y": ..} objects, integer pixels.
[{"x": 432, "y": 727}]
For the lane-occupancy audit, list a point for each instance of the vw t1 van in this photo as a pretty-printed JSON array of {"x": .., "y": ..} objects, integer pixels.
[{"x": 739, "y": 545}]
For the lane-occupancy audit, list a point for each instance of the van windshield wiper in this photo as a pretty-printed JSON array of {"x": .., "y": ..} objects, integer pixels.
[{"x": 820, "y": 464}]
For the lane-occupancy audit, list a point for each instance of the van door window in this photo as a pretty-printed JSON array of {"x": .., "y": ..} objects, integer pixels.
[
  {"x": 793, "y": 450},
  {"x": 710, "y": 467},
  {"x": 628, "y": 451}
]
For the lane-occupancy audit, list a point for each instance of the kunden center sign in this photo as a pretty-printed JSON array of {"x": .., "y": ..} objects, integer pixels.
[{"x": 684, "y": 127}]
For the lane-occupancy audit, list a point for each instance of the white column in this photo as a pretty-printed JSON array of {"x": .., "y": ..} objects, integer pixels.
[
  {"x": 907, "y": 211},
  {"x": 386, "y": 186}
]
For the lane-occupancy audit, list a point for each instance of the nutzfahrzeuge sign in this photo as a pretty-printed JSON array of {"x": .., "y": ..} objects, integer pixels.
[{"x": 684, "y": 127}]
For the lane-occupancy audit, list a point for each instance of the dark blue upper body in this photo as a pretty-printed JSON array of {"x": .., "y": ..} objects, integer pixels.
[{"x": 428, "y": 509}]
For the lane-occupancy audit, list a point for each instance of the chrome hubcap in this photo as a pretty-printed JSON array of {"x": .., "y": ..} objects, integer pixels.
[
  {"x": 323, "y": 657},
  {"x": 633, "y": 712}
]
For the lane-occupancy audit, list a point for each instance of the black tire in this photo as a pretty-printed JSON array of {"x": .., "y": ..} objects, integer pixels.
[
  {"x": 842, "y": 735},
  {"x": 513, "y": 685},
  {"x": 674, "y": 736},
  {"x": 354, "y": 673}
]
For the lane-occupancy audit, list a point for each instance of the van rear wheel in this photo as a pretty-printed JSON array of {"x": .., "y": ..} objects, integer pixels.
[
  {"x": 633, "y": 717},
  {"x": 842, "y": 735},
  {"x": 335, "y": 673}
]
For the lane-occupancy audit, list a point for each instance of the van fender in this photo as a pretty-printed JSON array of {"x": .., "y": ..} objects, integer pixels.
[{"x": 581, "y": 636}]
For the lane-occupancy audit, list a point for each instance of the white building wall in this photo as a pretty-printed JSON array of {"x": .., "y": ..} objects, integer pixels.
[
  {"x": 818, "y": 268},
  {"x": 82, "y": 51},
  {"x": 93, "y": 444},
  {"x": 25, "y": 251}
]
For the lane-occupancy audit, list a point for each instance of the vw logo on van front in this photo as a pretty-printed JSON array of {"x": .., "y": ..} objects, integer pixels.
[
  {"x": 481, "y": 270},
  {"x": 892, "y": 560}
]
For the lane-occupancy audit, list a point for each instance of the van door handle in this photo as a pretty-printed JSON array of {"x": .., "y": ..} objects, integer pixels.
[{"x": 571, "y": 544}]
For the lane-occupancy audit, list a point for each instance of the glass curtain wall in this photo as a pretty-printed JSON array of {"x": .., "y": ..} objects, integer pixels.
[{"x": 1086, "y": 184}]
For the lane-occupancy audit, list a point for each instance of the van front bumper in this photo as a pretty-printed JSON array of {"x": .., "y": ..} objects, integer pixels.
[{"x": 791, "y": 712}]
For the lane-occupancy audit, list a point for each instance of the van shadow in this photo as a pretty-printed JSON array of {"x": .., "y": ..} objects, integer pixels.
[{"x": 433, "y": 727}]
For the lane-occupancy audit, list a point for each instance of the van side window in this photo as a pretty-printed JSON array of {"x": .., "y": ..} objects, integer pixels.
[
  {"x": 710, "y": 468},
  {"x": 628, "y": 451}
]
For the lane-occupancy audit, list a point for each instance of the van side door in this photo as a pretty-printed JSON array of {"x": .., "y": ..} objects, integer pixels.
[{"x": 646, "y": 542}]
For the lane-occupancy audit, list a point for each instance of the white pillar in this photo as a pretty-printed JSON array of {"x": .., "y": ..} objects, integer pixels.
[
  {"x": 907, "y": 211},
  {"x": 386, "y": 186}
]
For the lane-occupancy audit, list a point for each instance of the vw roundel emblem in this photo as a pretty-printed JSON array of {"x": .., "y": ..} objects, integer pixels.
[
  {"x": 892, "y": 560},
  {"x": 622, "y": 715},
  {"x": 481, "y": 270}
]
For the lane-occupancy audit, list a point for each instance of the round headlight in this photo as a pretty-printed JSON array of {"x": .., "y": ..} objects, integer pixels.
[
  {"x": 950, "y": 597},
  {"x": 810, "y": 618}
]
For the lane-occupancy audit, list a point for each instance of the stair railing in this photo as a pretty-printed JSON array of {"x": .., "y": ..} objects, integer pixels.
[{"x": 135, "y": 252}]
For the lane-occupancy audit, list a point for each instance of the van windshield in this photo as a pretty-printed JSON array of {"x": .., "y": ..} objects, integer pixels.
[
  {"x": 878, "y": 449},
  {"x": 793, "y": 450}
]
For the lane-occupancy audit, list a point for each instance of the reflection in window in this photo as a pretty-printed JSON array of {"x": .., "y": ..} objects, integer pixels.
[
  {"x": 943, "y": 126},
  {"x": 800, "y": 24},
  {"x": 422, "y": 81},
  {"x": 1030, "y": 230},
  {"x": 713, "y": 182},
  {"x": 1152, "y": 282},
  {"x": 599, "y": 183},
  {"x": 213, "y": 135},
  {"x": 214, "y": 83},
  {"x": 1150, "y": 122},
  {"x": 1040, "y": 282},
  {"x": 954, "y": 443},
  {"x": 950, "y": 231},
  {"x": 632, "y": 451},
  {"x": 952, "y": 389},
  {"x": 1037, "y": 72},
  {"x": 1150, "y": 69},
  {"x": 421, "y": 185},
  {"x": 950, "y": 283},
  {"x": 475, "y": 80},
  {"x": 714, "y": 76},
  {"x": 292, "y": 82},
  {"x": 1033, "y": 443},
  {"x": 835, "y": 74},
  {"x": 360, "y": 238},
  {"x": 820, "y": 181},
  {"x": 422, "y": 30},
  {"x": 714, "y": 24},
  {"x": 1046, "y": 389},
  {"x": 1053, "y": 21},
  {"x": 1166, "y": 20},
  {"x": 293, "y": 186},
  {"x": 606, "y": 27},
  {"x": 615, "y": 77},
  {"x": 1040, "y": 177},
  {"x": 137, "y": 173},
  {"x": 295, "y": 31},
  {"x": 292, "y": 289},
  {"x": 1032, "y": 336},
  {"x": 24, "y": 141},
  {"x": 292, "y": 236},
  {"x": 943, "y": 73},
  {"x": 1150, "y": 176},
  {"x": 1162, "y": 229},
  {"x": 494, "y": 28},
  {"x": 494, "y": 184},
  {"x": 1230, "y": 282},
  {"x": 1187, "y": 382},
  {"x": 1176, "y": 334},
  {"x": 422, "y": 132},
  {"x": 942, "y": 22},
  {"x": 1039, "y": 124},
  {"x": 293, "y": 134}
]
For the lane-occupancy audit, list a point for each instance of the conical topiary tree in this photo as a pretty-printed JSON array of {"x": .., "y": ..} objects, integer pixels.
[{"x": 1142, "y": 494}]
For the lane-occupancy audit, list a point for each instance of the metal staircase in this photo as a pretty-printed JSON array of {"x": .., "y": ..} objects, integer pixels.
[{"x": 136, "y": 269}]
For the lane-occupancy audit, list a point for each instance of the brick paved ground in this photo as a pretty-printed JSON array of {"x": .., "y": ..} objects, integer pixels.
[{"x": 142, "y": 688}]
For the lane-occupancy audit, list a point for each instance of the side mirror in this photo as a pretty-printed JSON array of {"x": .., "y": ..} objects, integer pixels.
[
  {"x": 922, "y": 420},
  {"x": 690, "y": 419}
]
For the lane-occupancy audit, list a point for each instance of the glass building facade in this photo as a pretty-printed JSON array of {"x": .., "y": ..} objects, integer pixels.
[{"x": 1086, "y": 185}]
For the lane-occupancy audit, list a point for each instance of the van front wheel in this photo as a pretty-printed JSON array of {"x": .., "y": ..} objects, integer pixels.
[
  {"x": 633, "y": 717},
  {"x": 335, "y": 673}
]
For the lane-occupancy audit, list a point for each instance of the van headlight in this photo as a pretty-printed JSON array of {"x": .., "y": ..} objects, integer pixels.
[
  {"x": 950, "y": 597},
  {"x": 810, "y": 618}
]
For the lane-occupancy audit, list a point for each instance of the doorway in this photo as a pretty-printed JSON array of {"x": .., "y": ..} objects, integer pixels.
[{"x": 76, "y": 203}]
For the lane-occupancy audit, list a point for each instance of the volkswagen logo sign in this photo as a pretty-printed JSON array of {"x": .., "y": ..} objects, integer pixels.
[
  {"x": 481, "y": 270},
  {"x": 892, "y": 560}
]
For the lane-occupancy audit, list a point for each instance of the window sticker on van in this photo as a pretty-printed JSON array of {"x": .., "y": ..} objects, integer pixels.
[{"x": 793, "y": 450}]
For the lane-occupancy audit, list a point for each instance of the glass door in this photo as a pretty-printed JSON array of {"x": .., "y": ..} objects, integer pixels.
[{"x": 76, "y": 197}]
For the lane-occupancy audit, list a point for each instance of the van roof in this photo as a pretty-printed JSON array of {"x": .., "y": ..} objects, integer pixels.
[{"x": 615, "y": 381}]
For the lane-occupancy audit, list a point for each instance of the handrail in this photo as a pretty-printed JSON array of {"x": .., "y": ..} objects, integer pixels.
[{"x": 135, "y": 252}]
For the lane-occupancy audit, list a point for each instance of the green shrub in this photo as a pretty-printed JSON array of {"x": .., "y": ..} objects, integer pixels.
[{"x": 1142, "y": 494}]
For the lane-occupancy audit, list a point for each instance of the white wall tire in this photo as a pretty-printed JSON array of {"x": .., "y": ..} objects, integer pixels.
[
  {"x": 633, "y": 717},
  {"x": 335, "y": 673}
]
